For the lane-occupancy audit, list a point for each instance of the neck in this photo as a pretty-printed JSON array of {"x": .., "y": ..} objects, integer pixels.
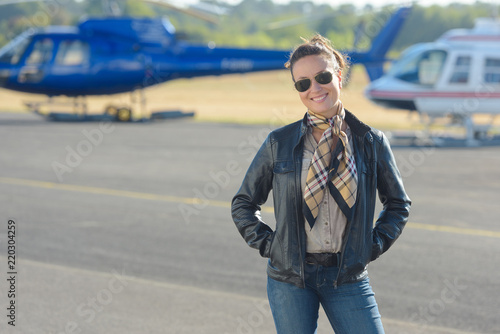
[{"x": 338, "y": 110}]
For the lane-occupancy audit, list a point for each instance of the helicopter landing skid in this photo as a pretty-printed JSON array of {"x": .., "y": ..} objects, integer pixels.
[
  {"x": 422, "y": 139},
  {"x": 476, "y": 135},
  {"x": 111, "y": 113},
  {"x": 159, "y": 115}
]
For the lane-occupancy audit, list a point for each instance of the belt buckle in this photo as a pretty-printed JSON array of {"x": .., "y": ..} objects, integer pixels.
[
  {"x": 323, "y": 259},
  {"x": 318, "y": 259},
  {"x": 311, "y": 259}
]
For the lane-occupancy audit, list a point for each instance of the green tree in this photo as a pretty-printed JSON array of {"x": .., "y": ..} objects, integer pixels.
[{"x": 246, "y": 24}]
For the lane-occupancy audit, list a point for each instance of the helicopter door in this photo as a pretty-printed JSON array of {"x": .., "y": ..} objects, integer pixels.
[
  {"x": 461, "y": 70},
  {"x": 71, "y": 66},
  {"x": 492, "y": 71},
  {"x": 34, "y": 69}
]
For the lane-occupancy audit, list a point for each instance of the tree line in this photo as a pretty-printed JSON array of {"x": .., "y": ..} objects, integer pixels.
[{"x": 258, "y": 23}]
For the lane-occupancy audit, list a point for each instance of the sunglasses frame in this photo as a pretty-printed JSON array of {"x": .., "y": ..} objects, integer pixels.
[{"x": 298, "y": 83}]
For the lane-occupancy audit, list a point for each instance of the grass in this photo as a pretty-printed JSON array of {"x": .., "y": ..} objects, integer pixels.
[{"x": 254, "y": 98}]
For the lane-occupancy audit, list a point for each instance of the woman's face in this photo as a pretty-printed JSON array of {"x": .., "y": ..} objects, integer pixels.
[{"x": 321, "y": 99}]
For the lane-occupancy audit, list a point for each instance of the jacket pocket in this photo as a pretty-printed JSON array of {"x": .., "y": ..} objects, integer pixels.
[
  {"x": 369, "y": 167},
  {"x": 276, "y": 256},
  {"x": 282, "y": 167},
  {"x": 376, "y": 249},
  {"x": 283, "y": 177}
]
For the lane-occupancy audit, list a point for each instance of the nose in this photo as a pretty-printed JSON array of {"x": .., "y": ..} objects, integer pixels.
[{"x": 315, "y": 86}]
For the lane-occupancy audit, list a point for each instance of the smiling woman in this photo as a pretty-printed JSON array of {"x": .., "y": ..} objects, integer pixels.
[{"x": 325, "y": 171}]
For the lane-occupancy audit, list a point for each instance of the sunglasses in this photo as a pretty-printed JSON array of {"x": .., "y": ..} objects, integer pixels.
[{"x": 322, "y": 78}]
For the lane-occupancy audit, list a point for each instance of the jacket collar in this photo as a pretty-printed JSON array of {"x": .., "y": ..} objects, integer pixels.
[{"x": 357, "y": 127}]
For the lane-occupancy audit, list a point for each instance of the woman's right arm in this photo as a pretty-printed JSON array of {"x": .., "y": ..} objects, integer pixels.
[{"x": 253, "y": 193}]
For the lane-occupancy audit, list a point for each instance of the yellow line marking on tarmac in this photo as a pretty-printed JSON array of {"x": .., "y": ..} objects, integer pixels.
[
  {"x": 409, "y": 327},
  {"x": 205, "y": 202},
  {"x": 452, "y": 229},
  {"x": 112, "y": 192},
  {"x": 126, "y": 277}
]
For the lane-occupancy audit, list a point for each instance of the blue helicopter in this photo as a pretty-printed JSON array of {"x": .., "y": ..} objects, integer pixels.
[{"x": 103, "y": 56}]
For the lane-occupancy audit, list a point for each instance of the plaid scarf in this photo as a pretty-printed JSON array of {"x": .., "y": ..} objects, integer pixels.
[{"x": 342, "y": 172}]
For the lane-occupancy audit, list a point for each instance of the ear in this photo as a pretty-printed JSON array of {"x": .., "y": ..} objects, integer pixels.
[{"x": 340, "y": 78}]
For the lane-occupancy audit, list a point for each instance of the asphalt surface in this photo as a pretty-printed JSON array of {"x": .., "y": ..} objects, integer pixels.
[{"x": 126, "y": 228}]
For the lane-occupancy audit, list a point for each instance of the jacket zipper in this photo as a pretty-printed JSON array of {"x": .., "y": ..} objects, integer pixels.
[
  {"x": 344, "y": 242},
  {"x": 298, "y": 194},
  {"x": 301, "y": 257},
  {"x": 341, "y": 262}
]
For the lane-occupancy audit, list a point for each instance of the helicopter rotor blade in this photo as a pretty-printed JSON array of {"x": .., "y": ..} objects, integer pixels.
[
  {"x": 299, "y": 20},
  {"x": 111, "y": 8},
  {"x": 13, "y": 2},
  {"x": 200, "y": 15}
]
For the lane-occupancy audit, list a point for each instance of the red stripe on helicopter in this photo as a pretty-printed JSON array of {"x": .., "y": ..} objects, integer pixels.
[
  {"x": 488, "y": 38},
  {"x": 412, "y": 95}
]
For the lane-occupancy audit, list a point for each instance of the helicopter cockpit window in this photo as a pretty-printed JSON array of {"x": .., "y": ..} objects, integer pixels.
[
  {"x": 461, "y": 70},
  {"x": 41, "y": 53},
  {"x": 424, "y": 68},
  {"x": 12, "y": 52},
  {"x": 492, "y": 71},
  {"x": 72, "y": 53}
]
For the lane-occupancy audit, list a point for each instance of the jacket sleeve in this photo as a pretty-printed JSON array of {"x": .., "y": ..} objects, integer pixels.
[
  {"x": 395, "y": 201},
  {"x": 245, "y": 206}
]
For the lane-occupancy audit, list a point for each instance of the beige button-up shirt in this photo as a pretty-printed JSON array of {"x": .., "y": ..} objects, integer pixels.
[{"x": 328, "y": 230}]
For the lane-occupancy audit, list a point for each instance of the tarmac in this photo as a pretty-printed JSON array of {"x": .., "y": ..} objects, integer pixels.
[{"x": 125, "y": 228}]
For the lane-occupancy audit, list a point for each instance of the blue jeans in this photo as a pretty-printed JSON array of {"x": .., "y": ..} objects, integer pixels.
[{"x": 351, "y": 308}]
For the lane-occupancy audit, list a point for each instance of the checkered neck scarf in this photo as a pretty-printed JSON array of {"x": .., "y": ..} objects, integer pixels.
[{"x": 342, "y": 172}]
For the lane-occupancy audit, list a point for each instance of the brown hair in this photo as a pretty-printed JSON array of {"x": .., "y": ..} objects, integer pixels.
[{"x": 320, "y": 46}]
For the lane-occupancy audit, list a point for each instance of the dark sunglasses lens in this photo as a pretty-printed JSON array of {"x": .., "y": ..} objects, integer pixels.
[
  {"x": 303, "y": 85},
  {"x": 324, "y": 78}
]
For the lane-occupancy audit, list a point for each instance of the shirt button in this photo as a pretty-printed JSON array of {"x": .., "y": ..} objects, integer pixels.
[{"x": 327, "y": 242}]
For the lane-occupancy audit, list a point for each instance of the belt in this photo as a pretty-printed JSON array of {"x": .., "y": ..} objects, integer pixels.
[{"x": 323, "y": 259}]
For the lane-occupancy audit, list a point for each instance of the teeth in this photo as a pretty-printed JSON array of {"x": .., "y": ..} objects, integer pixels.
[{"x": 319, "y": 98}]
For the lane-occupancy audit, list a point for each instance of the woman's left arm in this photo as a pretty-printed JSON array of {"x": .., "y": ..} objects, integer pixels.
[{"x": 396, "y": 202}]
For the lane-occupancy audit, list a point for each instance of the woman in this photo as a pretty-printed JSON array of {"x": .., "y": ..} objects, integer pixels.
[{"x": 324, "y": 171}]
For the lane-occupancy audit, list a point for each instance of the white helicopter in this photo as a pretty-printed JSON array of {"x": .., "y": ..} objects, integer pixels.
[{"x": 457, "y": 76}]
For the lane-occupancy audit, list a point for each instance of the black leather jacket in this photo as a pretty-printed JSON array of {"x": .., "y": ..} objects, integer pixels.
[{"x": 277, "y": 166}]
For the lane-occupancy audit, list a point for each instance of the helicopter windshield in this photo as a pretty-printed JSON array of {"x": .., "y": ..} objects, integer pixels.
[
  {"x": 422, "y": 68},
  {"x": 12, "y": 52}
]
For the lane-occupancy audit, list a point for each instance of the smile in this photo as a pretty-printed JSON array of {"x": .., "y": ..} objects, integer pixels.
[{"x": 320, "y": 98}]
